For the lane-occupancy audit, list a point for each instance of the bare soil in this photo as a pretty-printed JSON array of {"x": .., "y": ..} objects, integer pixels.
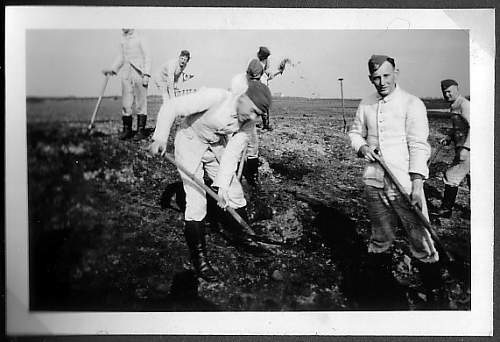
[{"x": 100, "y": 240}]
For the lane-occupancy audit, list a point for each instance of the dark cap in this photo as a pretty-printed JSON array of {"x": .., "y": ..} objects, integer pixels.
[
  {"x": 263, "y": 52},
  {"x": 260, "y": 95},
  {"x": 255, "y": 69},
  {"x": 376, "y": 61},
  {"x": 185, "y": 53},
  {"x": 445, "y": 84}
]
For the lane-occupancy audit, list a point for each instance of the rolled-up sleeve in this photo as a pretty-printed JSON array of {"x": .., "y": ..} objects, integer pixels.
[
  {"x": 358, "y": 132},
  {"x": 185, "y": 106},
  {"x": 417, "y": 132}
]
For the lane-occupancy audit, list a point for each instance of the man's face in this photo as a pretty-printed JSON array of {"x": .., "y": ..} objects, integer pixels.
[
  {"x": 384, "y": 79},
  {"x": 127, "y": 30},
  {"x": 450, "y": 94},
  {"x": 246, "y": 109},
  {"x": 183, "y": 60}
]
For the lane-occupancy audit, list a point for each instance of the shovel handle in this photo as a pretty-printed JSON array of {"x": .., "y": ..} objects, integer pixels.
[
  {"x": 208, "y": 190},
  {"x": 413, "y": 207},
  {"x": 103, "y": 89}
]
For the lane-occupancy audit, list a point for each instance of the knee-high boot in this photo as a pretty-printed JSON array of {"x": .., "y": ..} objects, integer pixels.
[
  {"x": 450, "y": 194},
  {"x": 141, "y": 127},
  {"x": 127, "y": 127},
  {"x": 195, "y": 240}
]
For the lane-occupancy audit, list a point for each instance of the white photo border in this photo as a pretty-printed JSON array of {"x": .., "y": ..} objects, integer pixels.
[{"x": 476, "y": 322}]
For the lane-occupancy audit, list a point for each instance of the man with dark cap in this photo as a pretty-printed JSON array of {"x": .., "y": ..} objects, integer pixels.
[
  {"x": 215, "y": 130},
  {"x": 460, "y": 115},
  {"x": 135, "y": 62},
  {"x": 393, "y": 124},
  {"x": 172, "y": 74},
  {"x": 258, "y": 70}
]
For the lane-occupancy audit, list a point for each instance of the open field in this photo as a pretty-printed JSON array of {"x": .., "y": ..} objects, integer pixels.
[{"x": 99, "y": 239}]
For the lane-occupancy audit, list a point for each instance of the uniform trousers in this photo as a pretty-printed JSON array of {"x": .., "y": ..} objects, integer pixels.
[
  {"x": 386, "y": 208},
  {"x": 459, "y": 169},
  {"x": 201, "y": 158},
  {"x": 133, "y": 89}
]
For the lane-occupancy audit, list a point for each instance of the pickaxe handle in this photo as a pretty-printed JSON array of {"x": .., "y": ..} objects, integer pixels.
[
  {"x": 208, "y": 190},
  {"x": 413, "y": 207},
  {"x": 242, "y": 163},
  {"x": 106, "y": 78}
]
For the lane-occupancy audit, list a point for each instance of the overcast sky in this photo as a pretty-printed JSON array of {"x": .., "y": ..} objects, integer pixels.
[{"x": 68, "y": 62}]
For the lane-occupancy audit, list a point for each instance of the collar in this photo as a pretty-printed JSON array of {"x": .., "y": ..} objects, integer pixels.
[{"x": 391, "y": 96}]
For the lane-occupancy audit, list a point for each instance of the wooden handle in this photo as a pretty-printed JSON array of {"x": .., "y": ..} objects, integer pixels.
[
  {"x": 98, "y": 102},
  {"x": 208, "y": 190},
  {"x": 413, "y": 207}
]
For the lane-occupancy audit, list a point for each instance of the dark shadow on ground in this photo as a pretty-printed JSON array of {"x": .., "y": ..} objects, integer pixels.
[
  {"x": 183, "y": 296},
  {"x": 366, "y": 285}
]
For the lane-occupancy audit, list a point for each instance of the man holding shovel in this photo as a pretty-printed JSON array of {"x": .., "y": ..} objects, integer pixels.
[
  {"x": 393, "y": 124},
  {"x": 135, "y": 63},
  {"x": 215, "y": 130}
]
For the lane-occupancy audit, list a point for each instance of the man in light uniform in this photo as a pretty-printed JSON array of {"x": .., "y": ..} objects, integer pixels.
[
  {"x": 259, "y": 70},
  {"x": 172, "y": 74},
  {"x": 394, "y": 123},
  {"x": 215, "y": 130},
  {"x": 460, "y": 110},
  {"x": 135, "y": 62}
]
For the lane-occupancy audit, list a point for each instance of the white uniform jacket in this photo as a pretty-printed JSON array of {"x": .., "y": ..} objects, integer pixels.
[
  {"x": 210, "y": 122},
  {"x": 134, "y": 53},
  {"x": 397, "y": 125},
  {"x": 171, "y": 73}
]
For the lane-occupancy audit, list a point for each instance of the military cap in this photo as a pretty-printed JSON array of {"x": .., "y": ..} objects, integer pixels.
[
  {"x": 263, "y": 52},
  {"x": 445, "y": 84},
  {"x": 376, "y": 61}
]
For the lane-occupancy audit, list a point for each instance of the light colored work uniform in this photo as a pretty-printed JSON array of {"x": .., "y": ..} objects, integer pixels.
[
  {"x": 134, "y": 62},
  {"x": 460, "y": 168},
  {"x": 397, "y": 125},
  {"x": 264, "y": 77},
  {"x": 210, "y": 140},
  {"x": 171, "y": 76}
]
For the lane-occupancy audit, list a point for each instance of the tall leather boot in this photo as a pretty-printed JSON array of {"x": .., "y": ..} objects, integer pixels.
[
  {"x": 265, "y": 122},
  {"x": 431, "y": 277},
  {"x": 141, "y": 127},
  {"x": 251, "y": 172},
  {"x": 450, "y": 194},
  {"x": 127, "y": 127},
  {"x": 195, "y": 240}
]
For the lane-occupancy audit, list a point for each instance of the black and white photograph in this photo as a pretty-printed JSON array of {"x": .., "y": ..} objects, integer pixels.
[{"x": 240, "y": 171}]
